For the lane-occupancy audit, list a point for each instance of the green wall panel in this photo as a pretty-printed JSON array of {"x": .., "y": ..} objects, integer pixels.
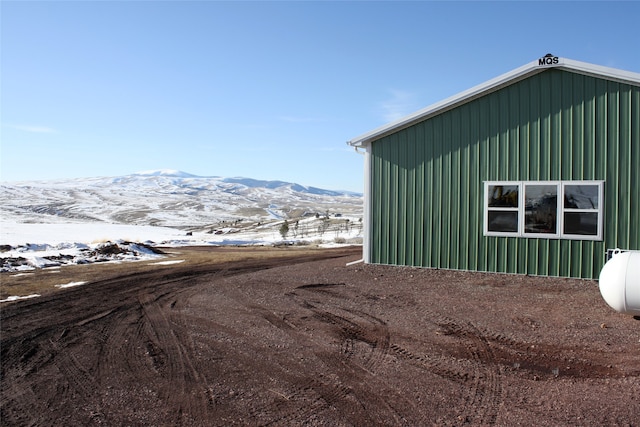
[{"x": 427, "y": 180}]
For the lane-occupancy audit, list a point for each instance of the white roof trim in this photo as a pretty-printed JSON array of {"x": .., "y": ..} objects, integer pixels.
[{"x": 511, "y": 77}]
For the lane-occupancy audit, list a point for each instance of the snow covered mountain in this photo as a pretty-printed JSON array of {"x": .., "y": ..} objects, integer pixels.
[{"x": 169, "y": 198}]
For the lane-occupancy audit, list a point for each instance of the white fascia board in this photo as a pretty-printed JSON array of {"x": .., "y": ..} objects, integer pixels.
[
  {"x": 496, "y": 83},
  {"x": 622, "y": 76}
]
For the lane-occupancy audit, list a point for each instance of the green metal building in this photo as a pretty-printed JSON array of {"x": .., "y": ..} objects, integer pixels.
[{"x": 534, "y": 172}]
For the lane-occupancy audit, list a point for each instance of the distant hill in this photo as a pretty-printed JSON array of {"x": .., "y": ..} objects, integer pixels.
[{"x": 170, "y": 198}]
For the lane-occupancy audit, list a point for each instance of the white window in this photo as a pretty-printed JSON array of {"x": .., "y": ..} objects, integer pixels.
[
  {"x": 541, "y": 209},
  {"x": 544, "y": 209},
  {"x": 502, "y": 201},
  {"x": 582, "y": 210}
]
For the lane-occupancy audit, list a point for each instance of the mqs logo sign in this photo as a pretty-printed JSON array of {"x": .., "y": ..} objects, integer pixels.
[{"x": 548, "y": 59}]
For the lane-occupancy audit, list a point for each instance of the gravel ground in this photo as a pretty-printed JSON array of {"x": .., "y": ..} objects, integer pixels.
[{"x": 308, "y": 340}]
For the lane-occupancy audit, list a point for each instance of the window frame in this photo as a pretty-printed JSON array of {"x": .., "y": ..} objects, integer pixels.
[
  {"x": 487, "y": 208},
  {"x": 523, "y": 229},
  {"x": 599, "y": 211},
  {"x": 560, "y": 210}
]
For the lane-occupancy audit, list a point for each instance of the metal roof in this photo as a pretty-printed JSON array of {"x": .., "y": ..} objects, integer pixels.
[{"x": 534, "y": 67}]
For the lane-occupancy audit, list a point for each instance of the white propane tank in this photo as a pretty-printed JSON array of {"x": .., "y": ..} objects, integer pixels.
[{"x": 620, "y": 282}]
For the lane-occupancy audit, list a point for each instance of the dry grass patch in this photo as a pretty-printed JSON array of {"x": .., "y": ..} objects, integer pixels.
[{"x": 47, "y": 280}]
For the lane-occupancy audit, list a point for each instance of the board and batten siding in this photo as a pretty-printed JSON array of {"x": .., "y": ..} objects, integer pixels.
[{"x": 426, "y": 196}]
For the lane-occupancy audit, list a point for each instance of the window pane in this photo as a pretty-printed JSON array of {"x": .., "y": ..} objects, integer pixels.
[
  {"x": 503, "y": 222},
  {"x": 541, "y": 209},
  {"x": 581, "y": 223},
  {"x": 581, "y": 196},
  {"x": 503, "y": 196}
]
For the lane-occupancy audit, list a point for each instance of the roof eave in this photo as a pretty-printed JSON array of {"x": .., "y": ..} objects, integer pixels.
[
  {"x": 615, "y": 74},
  {"x": 494, "y": 84}
]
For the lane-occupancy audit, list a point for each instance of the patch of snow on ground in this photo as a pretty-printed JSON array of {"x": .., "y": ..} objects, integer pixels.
[
  {"x": 177, "y": 261},
  {"x": 25, "y": 257},
  {"x": 16, "y": 298},
  {"x": 70, "y": 285}
]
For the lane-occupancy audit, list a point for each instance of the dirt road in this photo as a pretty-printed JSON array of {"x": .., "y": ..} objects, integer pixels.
[{"x": 308, "y": 340}]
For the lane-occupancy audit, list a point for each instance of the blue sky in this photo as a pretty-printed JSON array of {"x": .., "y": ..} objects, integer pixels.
[{"x": 266, "y": 90}]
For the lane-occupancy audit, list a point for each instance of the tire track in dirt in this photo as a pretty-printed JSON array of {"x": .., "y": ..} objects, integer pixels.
[
  {"x": 299, "y": 394},
  {"x": 126, "y": 368},
  {"x": 362, "y": 346},
  {"x": 362, "y": 343},
  {"x": 481, "y": 379},
  {"x": 438, "y": 365},
  {"x": 170, "y": 357},
  {"x": 302, "y": 398},
  {"x": 22, "y": 358},
  {"x": 485, "y": 395},
  {"x": 56, "y": 355},
  {"x": 364, "y": 337},
  {"x": 341, "y": 394},
  {"x": 79, "y": 382}
]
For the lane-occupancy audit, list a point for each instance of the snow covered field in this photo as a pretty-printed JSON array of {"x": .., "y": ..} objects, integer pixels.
[
  {"x": 30, "y": 246},
  {"x": 14, "y": 233},
  {"x": 26, "y": 247},
  {"x": 58, "y": 223}
]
